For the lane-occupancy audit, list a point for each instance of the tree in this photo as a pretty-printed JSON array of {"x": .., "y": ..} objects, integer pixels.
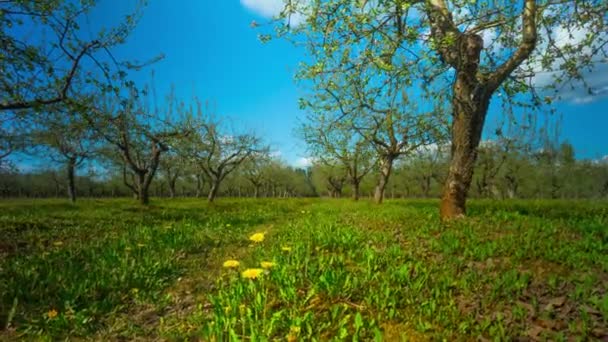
[
  {"x": 37, "y": 72},
  {"x": 331, "y": 141},
  {"x": 216, "y": 152},
  {"x": 329, "y": 176},
  {"x": 139, "y": 134},
  {"x": 444, "y": 41},
  {"x": 371, "y": 99},
  {"x": 68, "y": 138},
  {"x": 172, "y": 166},
  {"x": 255, "y": 170}
]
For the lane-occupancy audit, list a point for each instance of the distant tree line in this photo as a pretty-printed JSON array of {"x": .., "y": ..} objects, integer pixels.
[{"x": 501, "y": 173}]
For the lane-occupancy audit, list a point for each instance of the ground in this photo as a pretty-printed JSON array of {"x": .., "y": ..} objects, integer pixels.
[{"x": 335, "y": 270}]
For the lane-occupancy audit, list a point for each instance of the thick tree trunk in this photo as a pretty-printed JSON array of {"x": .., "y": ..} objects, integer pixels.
[
  {"x": 215, "y": 186},
  {"x": 386, "y": 166},
  {"x": 142, "y": 187},
  {"x": 71, "y": 169},
  {"x": 355, "y": 184},
  {"x": 470, "y": 105},
  {"x": 256, "y": 193}
]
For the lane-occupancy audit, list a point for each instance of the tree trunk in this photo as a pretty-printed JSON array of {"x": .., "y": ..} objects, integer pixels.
[
  {"x": 470, "y": 105},
  {"x": 256, "y": 193},
  {"x": 215, "y": 186},
  {"x": 467, "y": 121},
  {"x": 386, "y": 166},
  {"x": 71, "y": 168},
  {"x": 171, "y": 184},
  {"x": 199, "y": 186},
  {"x": 356, "y": 185},
  {"x": 142, "y": 189}
]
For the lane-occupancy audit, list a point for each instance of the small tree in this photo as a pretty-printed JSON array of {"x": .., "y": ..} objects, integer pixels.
[
  {"x": 69, "y": 139},
  {"x": 140, "y": 134},
  {"x": 216, "y": 152},
  {"x": 255, "y": 170},
  {"x": 331, "y": 141}
]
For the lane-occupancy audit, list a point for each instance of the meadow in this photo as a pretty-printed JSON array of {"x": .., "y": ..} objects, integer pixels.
[{"x": 302, "y": 269}]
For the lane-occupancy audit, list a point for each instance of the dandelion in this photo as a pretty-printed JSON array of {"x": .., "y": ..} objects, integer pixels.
[
  {"x": 228, "y": 225},
  {"x": 286, "y": 248},
  {"x": 242, "y": 308},
  {"x": 257, "y": 237},
  {"x": 231, "y": 263},
  {"x": 252, "y": 273},
  {"x": 135, "y": 290},
  {"x": 293, "y": 334},
  {"x": 52, "y": 314},
  {"x": 58, "y": 243},
  {"x": 267, "y": 264},
  {"x": 141, "y": 245},
  {"x": 128, "y": 249}
]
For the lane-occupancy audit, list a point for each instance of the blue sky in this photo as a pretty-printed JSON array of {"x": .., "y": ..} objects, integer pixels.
[{"x": 211, "y": 50}]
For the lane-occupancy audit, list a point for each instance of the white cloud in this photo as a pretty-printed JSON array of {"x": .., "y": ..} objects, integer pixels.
[
  {"x": 596, "y": 79},
  {"x": 275, "y": 154},
  {"x": 271, "y": 9},
  {"x": 303, "y": 162},
  {"x": 265, "y": 8}
]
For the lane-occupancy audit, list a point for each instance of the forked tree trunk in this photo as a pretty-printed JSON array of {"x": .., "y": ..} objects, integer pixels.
[
  {"x": 215, "y": 186},
  {"x": 71, "y": 169},
  {"x": 142, "y": 191},
  {"x": 470, "y": 105},
  {"x": 386, "y": 166}
]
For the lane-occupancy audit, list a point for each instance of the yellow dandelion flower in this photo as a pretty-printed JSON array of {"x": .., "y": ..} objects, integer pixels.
[
  {"x": 231, "y": 263},
  {"x": 141, "y": 245},
  {"x": 252, "y": 273},
  {"x": 294, "y": 329},
  {"x": 257, "y": 237},
  {"x": 227, "y": 309},
  {"x": 286, "y": 248},
  {"x": 52, "y": 314},
  {"x": 58, "y": 243},
  {"x": 135, "y": 290},
  {"x": 267, "y": 264},
  {"x": 242, "y": 308}
]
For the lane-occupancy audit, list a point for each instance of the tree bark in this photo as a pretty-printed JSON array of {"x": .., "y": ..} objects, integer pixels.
[
  {"x": 215, "y": 186},
  {"x": 199, "y": 185},
  {"x": 386, "y": 166},
  {"x": 71, "y": 169},
  {"x": 142, "y": 191},
  {"x": 356, "y": 185},
  {"x": 171, "y": 184},
  {"x": 470, "y": 105}
]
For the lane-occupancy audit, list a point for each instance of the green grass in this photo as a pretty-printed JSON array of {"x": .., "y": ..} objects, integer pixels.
[{"x": 343, "y": 270}]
